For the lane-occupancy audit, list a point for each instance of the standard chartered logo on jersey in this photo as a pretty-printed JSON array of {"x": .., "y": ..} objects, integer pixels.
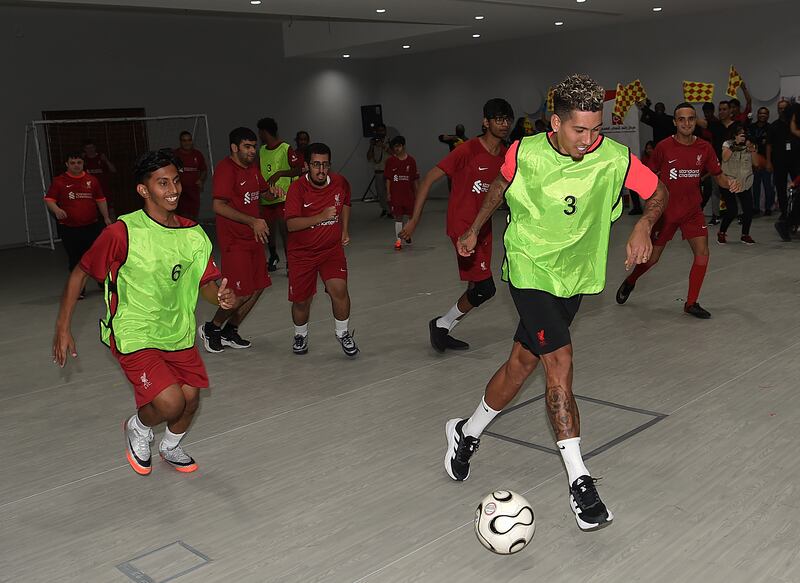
[
  {"x": 250, "y": 197},
  {"x": 674, "y": 173},
  {"x": 480, "y": 187}
]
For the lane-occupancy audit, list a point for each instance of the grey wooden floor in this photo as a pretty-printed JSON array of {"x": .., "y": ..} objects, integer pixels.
[{"x": 317, "y": 468}]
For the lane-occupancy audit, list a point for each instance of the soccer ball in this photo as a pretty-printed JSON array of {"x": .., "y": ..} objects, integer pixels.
[{"x": 504, "y": 522}]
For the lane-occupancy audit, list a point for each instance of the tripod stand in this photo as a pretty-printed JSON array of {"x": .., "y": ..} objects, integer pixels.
[{"x": 364, "y": 197}]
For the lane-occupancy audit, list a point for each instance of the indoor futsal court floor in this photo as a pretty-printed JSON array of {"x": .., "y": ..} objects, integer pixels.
[{"x": 316, "y": 468}]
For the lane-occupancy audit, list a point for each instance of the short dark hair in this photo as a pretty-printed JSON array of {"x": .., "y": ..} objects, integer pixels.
[
  {"x": 496, "y": 107},
  {"x": 269, "y": 125},
  {"x": 735, "y": 102},
  {"x": 151, "y": 161},
  {"x": 185, "y": 133},
  {"x": 73, "y": 155},
  {"x": 732, "y": 130},
  {"x": 397, "y": 140},
  {"x": 239, "y": 135},
  {"x": 682, "y": 105},
  {"x": 297, "y": 135},
  {"x": 708, "y": 106},
  {"x": 577, "y": 93},
  {"x": 725, "y": 101},
  {"x": 318, "y": 148}
]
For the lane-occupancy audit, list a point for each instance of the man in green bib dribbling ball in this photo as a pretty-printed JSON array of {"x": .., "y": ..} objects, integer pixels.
[
  {"x": 154, "y": 264},
  {"x": 563, "y": 190}
]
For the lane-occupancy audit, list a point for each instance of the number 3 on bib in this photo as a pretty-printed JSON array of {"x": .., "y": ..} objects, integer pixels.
[{"x": 570, "y": 210}]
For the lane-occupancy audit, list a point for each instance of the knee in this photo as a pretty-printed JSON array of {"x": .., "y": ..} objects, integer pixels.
[
  {"x": 172, "y": 407},
  {"x": 521, "y": 366},
  {"x": 481, "y": 291},
  {"x": 558, "y": 363},
  {"x": 191, "y": 400}
]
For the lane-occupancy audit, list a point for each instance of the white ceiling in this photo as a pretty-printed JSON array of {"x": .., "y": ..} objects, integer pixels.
[{"x": 330, "y": 28}]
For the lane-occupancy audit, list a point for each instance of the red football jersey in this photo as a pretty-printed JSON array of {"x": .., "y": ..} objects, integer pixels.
[
  {"x": 77, "y": 196},
  {"x": 680, "y": 168},
  {"x": 471, "y": 170},
  {"x": 401, "y": 175},
  {"x": 99, "y": 169},
  {"x": 193, "y": 164},
  {"x": 305, "y": 200},
  {"x": 239, "y": 187},
  {"x": 110, "y": 250}
]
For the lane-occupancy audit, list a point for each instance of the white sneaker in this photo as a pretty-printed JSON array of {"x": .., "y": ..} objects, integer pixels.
[
  {"x": 178, "y": 459},
  {"x": 348, "y": 344},
  {"x": 137, "y": 447}
]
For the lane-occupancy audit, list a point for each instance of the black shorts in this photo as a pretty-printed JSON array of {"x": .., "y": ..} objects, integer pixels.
[{"x": 544, "y": 319}]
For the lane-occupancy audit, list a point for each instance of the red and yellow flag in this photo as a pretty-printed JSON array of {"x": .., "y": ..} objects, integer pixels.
[
  {"x": 734, "y": 81},
  {"x": 550, "y": 99},
  {"x": 698, "y": 92}
]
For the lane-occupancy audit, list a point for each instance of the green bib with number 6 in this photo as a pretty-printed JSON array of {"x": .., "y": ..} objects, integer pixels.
[
  {"x": 560, "y": 216},
  {"x": 150, "y": 301}
]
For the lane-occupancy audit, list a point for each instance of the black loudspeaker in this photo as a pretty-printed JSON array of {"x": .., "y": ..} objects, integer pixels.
[{"x": 371, "y": 116}]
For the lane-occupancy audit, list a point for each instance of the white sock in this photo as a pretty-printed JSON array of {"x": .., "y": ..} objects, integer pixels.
[
  {"x": 571, "y": 454},
  {"x": 170, "y": 440},
  {"x": 136, "y": 424},
  {"x": 398, "y": 226},
  {"x": 482, "y": 416},
  {"x": 341, "y": 327},
  {"x": 450, "y": 319},
  {"x": 301, "y": 330}
]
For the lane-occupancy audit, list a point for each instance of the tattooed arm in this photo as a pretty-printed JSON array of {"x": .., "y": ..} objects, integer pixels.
[
  {"x": 467, "y": 241},
  {"x": 640, "y": 247}
]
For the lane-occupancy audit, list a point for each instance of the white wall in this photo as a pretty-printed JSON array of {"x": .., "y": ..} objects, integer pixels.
[
  {"x": 427, "y": 94},
  {"x": 230, "y": 68}
]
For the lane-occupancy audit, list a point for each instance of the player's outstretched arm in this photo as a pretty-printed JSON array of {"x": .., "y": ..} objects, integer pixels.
[
  {"x": 345, "y": 225},
  {"x": 434, "y": 174},
  {"x": 259, "y": 226},
  {"x": 220, "y": 295},
  {"x": 640, "y": 246},
  {"x": 467, "y": 241},
  {"x": 63, "y": 342},
  {"x": 301, "y": 223}
]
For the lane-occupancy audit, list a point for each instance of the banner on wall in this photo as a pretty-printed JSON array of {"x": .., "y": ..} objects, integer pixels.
[{"x": 626, "y": 132}]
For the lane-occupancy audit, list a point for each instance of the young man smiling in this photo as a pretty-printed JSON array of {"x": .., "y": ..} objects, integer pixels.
[
  {"x": 563, "y": 190},
  {"x": 154, "y": 264}
]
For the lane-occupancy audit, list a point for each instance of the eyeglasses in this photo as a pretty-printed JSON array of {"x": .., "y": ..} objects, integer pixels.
[
  {"x": 316, "y": 165},
  {"x": 501, "y": 119}
]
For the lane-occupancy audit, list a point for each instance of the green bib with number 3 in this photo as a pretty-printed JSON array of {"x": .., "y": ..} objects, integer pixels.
[
  {"x": 151, "y": 301},
  {"x": 560, "y": 217},
  {"x": 272, "y": 161}
]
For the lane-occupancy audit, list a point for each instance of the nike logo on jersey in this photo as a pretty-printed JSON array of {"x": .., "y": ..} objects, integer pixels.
[
  {"x": 482, "y": 168},
  {"x": 672, "y": 161},
  {"x": 307, "y": 205},
  {"x": 243, "y": 183}
]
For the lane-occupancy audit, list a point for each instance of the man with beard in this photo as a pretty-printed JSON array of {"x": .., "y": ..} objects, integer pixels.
[{"x": 471, "y": 167}]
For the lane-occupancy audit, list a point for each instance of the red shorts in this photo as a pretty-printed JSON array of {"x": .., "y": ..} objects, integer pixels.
[
  {"x": 330, "y": 264},
  {"x": 477, "y": 266},
  {"x": 402, "y": 205},
  {"x": 150, "y": 371},
  {"x": 244, "y": 263},
  {"x": 273, "y": 212},
  {"x": 692, "y": 225}
]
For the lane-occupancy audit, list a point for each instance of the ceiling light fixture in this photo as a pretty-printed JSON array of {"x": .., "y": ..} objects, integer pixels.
[
  {"x": 479, "y": 17},
  {"x": 476, "y": 36},
  {"x": 406, "y": 46},
  {"x": 380, "y": 10},
  {"x": 580, "y": 1},
  {"x": 559, "y": 23},
  {"x": 255, "y": 2},
  {"x": 346, "y": 56},
  {"x": 657, "y": 9}
]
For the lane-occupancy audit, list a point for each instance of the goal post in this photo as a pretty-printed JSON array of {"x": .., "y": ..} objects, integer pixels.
[{"x": 120, "y": 139}]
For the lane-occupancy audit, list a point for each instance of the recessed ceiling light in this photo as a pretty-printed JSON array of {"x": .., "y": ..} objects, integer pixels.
[
  {"x": 380, "y": 10},
  {"x": 559, "y": 23},
  {"x": 479, "y": 17},
  {"x": 346, "y": 56},
  {"x": 657, "y": 9},
  {"x": 255, "y": 2},
  {"x": 476, "y": 36},
  {"x": 580, "y": 1},
  {"x": 406, "y": 46}
]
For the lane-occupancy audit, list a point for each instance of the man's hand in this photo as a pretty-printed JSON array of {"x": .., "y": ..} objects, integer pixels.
[
  {"x": 225, "y": 296},
  {"x": 345, "y": 238},
  {"x": 408, "y": 230},
  {"x": 60, "y": 213},
  {"x": 467, "y": 242},
  {"x": 260, "y": 230},
  {"x": 328, "y": 214},
  {"x": 63, "y": 342},
  {"x": 734, "y": 185},
  {"x": 639, "y": 247}
]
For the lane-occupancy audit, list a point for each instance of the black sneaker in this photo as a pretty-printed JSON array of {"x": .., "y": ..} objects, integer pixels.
[
  {"x": 348, "y": 344},
  {"x": 696, "y": 311},
  {"x": 783, "y": 231},
  {"x": 273, "y": 263},
  {"x": 460, "y": 449},
  {"x": 211, "y": 337},
  {"x": 300, "y": 344},
  {"x": 714, "y": 220},
  {"x": 438, "y": 336},
  {"x": 230, "y": 337},
  {"x": 624, "y": 291},
  {"x": 455, "y": 343},
  {"x": 590, "y": 512}
]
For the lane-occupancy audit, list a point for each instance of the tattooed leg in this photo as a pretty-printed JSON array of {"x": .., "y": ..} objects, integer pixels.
[{"x": 561, "y": 406}]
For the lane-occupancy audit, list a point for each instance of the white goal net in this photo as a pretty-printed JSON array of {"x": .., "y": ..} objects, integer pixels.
[{"x": 120, "y": 140}]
